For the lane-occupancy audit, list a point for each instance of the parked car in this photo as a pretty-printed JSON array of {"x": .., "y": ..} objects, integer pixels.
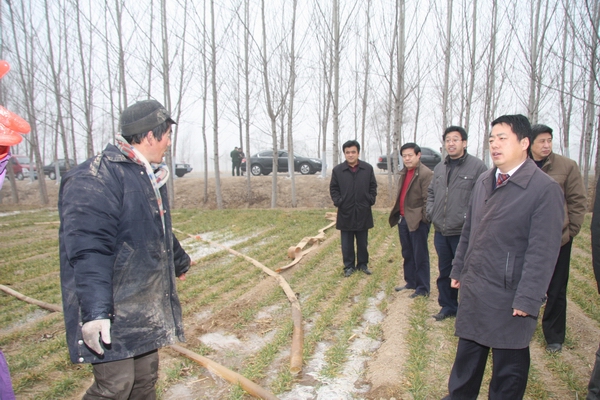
[
  {"x": 262, "y": 163},
  {"x": 19, "y": 171},
  {"x": 25, "y": 162},
  {"x": 429, "y": 158},
  {"x": 50, "y": 169},
  {"x": 182, "y": 169}
]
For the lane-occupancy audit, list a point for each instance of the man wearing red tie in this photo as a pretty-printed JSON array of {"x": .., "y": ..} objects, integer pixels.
[{"x": 503, "y": 264}]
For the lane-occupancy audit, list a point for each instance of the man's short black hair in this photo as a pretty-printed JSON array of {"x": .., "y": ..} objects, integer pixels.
[
  {"x": 157, "y": 132},
  {"x": 539, "y": 129},
  {"x": 518, "y": 123},
  {"x": 454, "y": 128},
  {"x": 410, "y": 145},
  {"x": 351, "y": 143}
]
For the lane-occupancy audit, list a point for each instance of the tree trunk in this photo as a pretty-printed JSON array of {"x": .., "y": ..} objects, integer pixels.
[
  {"x": 292, "y": 90},
  {"x": 213, "y": 61}
]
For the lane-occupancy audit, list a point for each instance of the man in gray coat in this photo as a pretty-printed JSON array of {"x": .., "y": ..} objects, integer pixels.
[
  {"x": 447, "y": 201},
  {"x": 503, "y": 264}
]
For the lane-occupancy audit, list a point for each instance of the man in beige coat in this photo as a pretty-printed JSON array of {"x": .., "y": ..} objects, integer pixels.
[
  {"x": 409, "y": 214},
  {"x": 564, "y": 171}
]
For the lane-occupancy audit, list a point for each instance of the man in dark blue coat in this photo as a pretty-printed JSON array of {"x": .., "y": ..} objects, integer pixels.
[
  {"x": 119, "y": 258},
  {"x": 353, "y": 189}
]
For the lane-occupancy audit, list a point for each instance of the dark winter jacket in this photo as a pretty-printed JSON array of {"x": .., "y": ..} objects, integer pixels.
[
  {"x": 506, "y": 256},
  {"x": 447, "y": 202},
  {"x": 115, "y": 260},
  {"x": 353, "y": 193},
  {"x": 566, "y": 172},
  {"x": 415, "y": 200}
]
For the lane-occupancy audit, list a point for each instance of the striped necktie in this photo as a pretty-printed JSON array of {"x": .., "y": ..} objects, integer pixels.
[{"x": 501, "y": 179}]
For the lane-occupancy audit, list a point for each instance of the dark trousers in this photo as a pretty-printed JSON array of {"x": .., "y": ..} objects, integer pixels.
[
  {"x": 416, "y": 256},
  {"x": 554, "y": 320},
  {"x": 360, "y": 259},
  {"x": 510, "y": 370},
  {"x": 128, "y": 379},
  {"x": 445, "y": 246},
  {"x": 235, "y": 168},
  {"x": 594, "y": 385}
]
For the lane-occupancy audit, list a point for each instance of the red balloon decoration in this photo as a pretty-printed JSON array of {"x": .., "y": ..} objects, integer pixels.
[
  {"x": 4, "y": 68},
  {"x": 9, "y": 137},
  {"x": 11, "y": 125}
]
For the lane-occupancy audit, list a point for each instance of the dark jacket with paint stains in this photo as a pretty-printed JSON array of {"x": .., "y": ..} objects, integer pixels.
[
  {"x": 353, "y": 193},
  {"x": 116, "y": 261}
]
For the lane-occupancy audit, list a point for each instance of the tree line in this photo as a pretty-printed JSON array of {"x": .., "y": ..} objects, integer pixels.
[{"x": 304, "y": 76}]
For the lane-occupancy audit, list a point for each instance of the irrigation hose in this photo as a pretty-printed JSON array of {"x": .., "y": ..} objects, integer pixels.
[
  {"x": 246, "y": 384},
  {"x": 225, "y": 373},
  {"x": 297, "y": 335}
]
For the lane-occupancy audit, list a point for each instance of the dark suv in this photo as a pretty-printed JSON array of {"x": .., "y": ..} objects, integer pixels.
[
  {"x": 429, "y": 158},
  {"x": 262, "y": 163},
  {"x": 50, "y": 169}
]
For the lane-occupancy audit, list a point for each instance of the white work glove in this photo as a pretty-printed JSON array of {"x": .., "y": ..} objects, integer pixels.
[{"x": 91, "y": 330}]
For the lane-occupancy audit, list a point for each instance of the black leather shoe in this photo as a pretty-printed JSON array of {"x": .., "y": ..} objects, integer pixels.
[
  {"x": 348, "y": 272},
  {"x": 554, "y": 347},
  {"x": 401, "y": 288},
  {"x": 441, "y": 316},
  {"x": 415, "y": 295},
  {"x": 366, "y": 271}
]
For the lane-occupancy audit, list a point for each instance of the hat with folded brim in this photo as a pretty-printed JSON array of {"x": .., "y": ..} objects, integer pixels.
[{"x": 143, "y": 116}]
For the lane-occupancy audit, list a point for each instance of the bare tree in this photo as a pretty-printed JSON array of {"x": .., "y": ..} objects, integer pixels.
[
  {"x": 272, "y": 111},
  {"x": 400, "y": 95},
  {"x": 488, "y": 104},
  {"x": 122, "y": 80},
  {"x": 86, "y": 75},
  {"x": 365, "y": 93},
  {"x": 447, "y": 53},
  {"x": 566, "y": 87},
  {"x": 247, "y": 95},
  {"x": 26, "y": 67},
  {"x": 336, "y": 81},
  {"x": 61, "y": 131},
  {"x": 472, "y": 69},
  {"x": 292, "y": 92},
  {"x": 213, "y": 62}
]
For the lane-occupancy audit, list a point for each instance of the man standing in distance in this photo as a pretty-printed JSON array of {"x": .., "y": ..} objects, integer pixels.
[
  {"x": 353, "y": 189},
  {"x": 409, "y": 214},
  {"x": 564, "y": 171},
  {"x": 119, "y": 258},
  {"x": 447, "y": 202},
  {"x": 236, "y": 161},
  {"x": 503, "y": 264}
]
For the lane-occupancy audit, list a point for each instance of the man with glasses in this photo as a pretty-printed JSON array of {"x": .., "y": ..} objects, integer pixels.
[
  {"x": 447, "y": 202},
  {"x": 409, "y": 215}
]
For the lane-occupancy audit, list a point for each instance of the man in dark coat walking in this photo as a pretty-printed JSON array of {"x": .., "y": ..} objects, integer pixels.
[
  {"x": 503, "y": 264},
  {"x": 119, "y": 258},
  {"x": 353, "y": 189}
]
